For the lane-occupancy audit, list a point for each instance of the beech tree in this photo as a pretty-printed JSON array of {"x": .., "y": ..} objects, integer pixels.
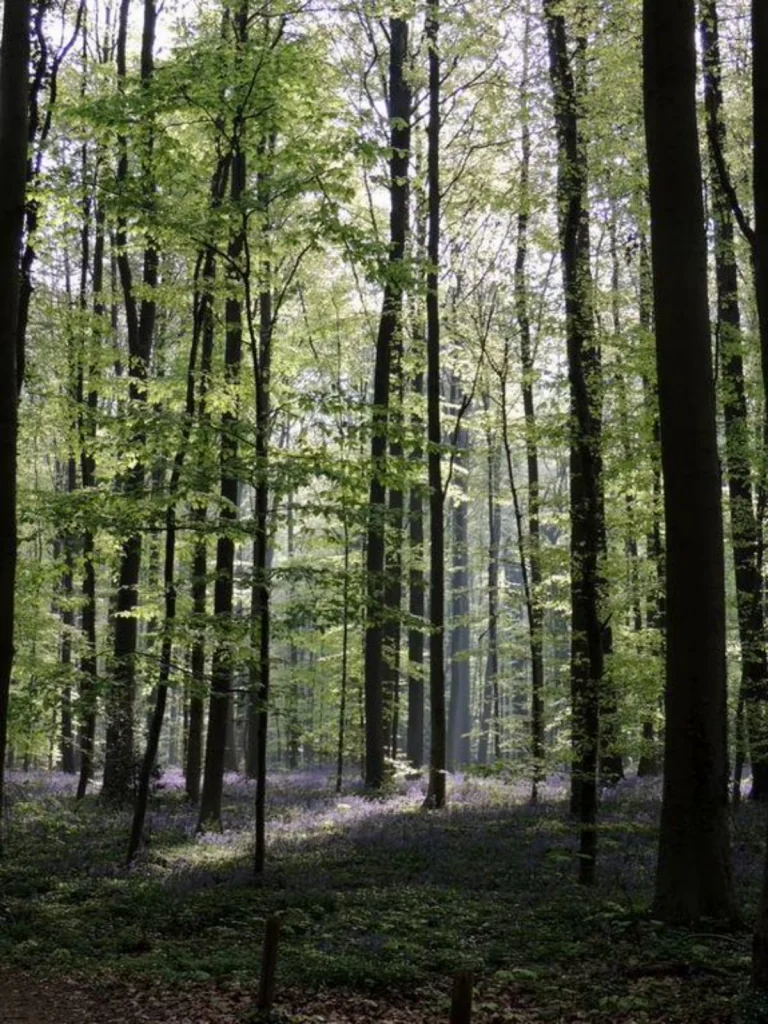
[
  {"x": 693, "y": 878},
  {"x": 14, "y": 87}
]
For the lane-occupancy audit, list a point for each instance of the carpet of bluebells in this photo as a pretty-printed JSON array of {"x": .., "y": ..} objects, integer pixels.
[{"x": 375, "y": 896}]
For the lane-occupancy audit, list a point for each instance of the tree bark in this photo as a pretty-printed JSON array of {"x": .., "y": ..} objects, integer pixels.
[
  {"x": 140, "y": 316},
  {"x": 693, "y": 878},
  {"x": 437, "y": 766},
  {"x": 585, "y": 385},
  {"x": 14, "y": 84},
  {"x": 222, "y": 660},
  {"x": 416, "y": 606},
  {"x": 389, "y": 324},
  {"x": 745, "y": 529},
  {"x": 522, "y": 315}
]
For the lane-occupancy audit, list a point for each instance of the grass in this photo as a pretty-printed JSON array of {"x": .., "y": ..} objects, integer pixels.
[{"x": 375, "y": 897}]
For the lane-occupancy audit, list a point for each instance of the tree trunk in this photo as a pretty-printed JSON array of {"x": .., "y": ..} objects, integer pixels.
[
  {"x": 693, "y": 877},
  {"x": 522, "y": 315},
  {"x": 222, "y": 660},
  {"x": 436, "y": 791},
  {"x": 416, "y": 606},
  {"x": 389, "y": 324},
  {"x": 459, "y": 718},
  {"x": 745, "y": 529},
  {"x": 14, "y": 84},
  {"x": 487, "y": 722},
  {"x": 585, "y": 384},
  {"x": 140, "y": 315}
]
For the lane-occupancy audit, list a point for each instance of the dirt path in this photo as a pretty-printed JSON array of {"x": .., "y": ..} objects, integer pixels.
[{"x": 26, "y": 999}]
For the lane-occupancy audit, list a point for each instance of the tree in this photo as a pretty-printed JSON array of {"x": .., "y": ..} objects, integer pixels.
[
  {"x": 14, "y": 86},
  {"x": 140, "y": 317},
  {"x": 390, "y": 324},
  {"x": 437, "y": 759},
  {"x": 587, "y": 513},
  {"x": 693, "y": 878},
  {"x": 745, "y": 529}
]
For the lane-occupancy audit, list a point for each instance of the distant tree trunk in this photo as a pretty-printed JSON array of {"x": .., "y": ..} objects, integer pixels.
[
  {"x": 344, "y": 663},
  {"x": 68, "y": 624},
  {"x": 416, "y": 606},
  {"x": 389, "y": 324},
  {"x": 586, "y": 487},
  {"x": 204, "y": 326},
  {"x": 459, "y": 718},
  {"x": 262, "y": 369},
  {"x": 693, "y": 877},
  {"x": 14, "y": 84},
  {"x": 436, "y": 791},
  {"x": 140, "y": 315},
  {"x": 488, "y": 725},
  {"x": 649, "y": 763},
  {"x": 293, "y": 727},
  {"x": 522, "y": 315},
  {"x": 393, "y": 586},
  {"x": 222, "y": 659},
  {"x": 194, "y": 754},
  {"x": 87, "y": 410},
  {"x": 745, "y": 528}
]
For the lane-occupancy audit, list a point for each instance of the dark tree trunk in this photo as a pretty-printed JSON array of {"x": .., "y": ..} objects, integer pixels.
[
  {"x": 14, "y": 84},
  {"x": 389, "y": 324},
  {"x": 140, "y": 316},
  {"x": 261, "y": 691},
  {"x": 204, "y": 325},
  {"x": 693, "y": 877},
  {"x": 459, "y": 717},
  {"x": 393, "y": 587},
  {"x": 416, "y": 607},
  {"x": 585, "y": 383},
  {"x": 522, "y": 315},
  {"x": 436, "y": 791},
  {"x": 650, "y": 759},
  {"x": 88, "y": 409},
  {"x": 194, "y": 754},
  {"x": 745, "y": 530},
  {"x": 222, "y": 663},
  {"x": 68, "y": 624},
  {"x": 487, "y": 721}
]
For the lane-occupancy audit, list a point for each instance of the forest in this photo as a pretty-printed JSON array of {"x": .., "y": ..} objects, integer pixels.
[{"x": 383, "y": 511}]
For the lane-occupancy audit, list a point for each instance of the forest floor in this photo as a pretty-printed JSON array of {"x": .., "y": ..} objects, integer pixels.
[{"x": 380, "y": 902}]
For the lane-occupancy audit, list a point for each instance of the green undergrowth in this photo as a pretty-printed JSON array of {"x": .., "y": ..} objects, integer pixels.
[{"x": 379, "y": 905}]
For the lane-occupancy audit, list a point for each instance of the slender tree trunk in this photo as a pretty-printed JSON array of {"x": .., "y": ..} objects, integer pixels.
[
  {"x": 88, "y": 409},
  {"x": 745, "y": 529},
  {"x": 261, "y": 544},
  {"x": 14, "y": 57},
  {"x": 222, "y": 660},
  {"x": 389, "y": 324},
  {"x": 494, "y": 543},
  {"x": 68, "y": 624},
  {"x": 393, "y": 587},
  {"x": 344, "y": 663},
  {"x": 459, "y": 718},
  {"x": 522, "y": 315},
  {"x": 693, "y": 877},
  {"x": 650, "y": 760},
  {"x": 140, "y": 315},
  {"x": 584, "y": 376},
  {"x": 204, "y": 326},
  {"x": 437, "y": 765}
]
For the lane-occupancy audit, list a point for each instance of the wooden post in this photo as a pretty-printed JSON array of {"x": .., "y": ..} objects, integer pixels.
[
  {"x": 461, "y": 1000},
  {"x": 269, "y": 964}
]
